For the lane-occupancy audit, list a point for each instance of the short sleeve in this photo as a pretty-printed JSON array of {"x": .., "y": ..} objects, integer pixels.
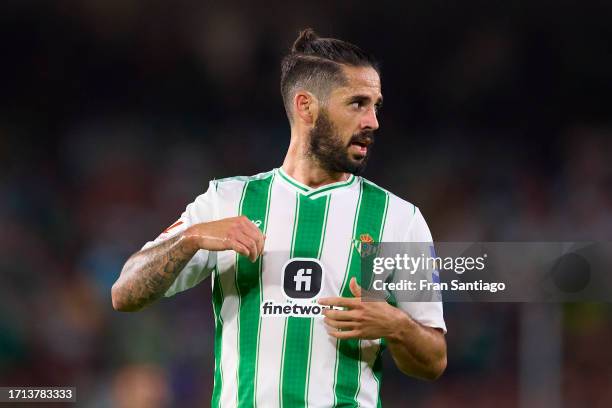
[
  {"x": 202, "y": 209},
  {"x": 427, "y": 313}
]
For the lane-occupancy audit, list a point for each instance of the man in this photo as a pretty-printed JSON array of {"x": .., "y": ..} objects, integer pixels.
[{"x": 291, "y": 329}]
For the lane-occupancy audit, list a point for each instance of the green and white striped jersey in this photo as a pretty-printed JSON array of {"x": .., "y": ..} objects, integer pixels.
[{"x": 271, "y": 345}]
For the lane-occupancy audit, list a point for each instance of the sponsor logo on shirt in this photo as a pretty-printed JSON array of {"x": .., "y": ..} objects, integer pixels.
[
  {"x": 302, "y": 278},
  {"x": 302, "y": 281}
]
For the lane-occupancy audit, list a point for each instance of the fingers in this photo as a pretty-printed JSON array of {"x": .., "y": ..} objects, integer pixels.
[
  {"x": 254, "y": 234},
  {"x": 259, "y": 244},
  {"x": 344, "y": 324},
  {"x": 238, "y": 247},
  {"x": 342, "y": 330},
  {"x": 249, "y": 243},
  {"x": 235, "y": 233},
  {"x": 339, "y": 324},
  {"x": 247, "y": 237},
  {"x": 351, "y": 334},
  {"x": 344, "y": 315},
  {"x": 355, "y": 288},
  {"x": 341, "y": 301}
]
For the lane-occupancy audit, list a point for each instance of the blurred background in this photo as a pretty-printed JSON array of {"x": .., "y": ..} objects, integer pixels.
[{"x": 115, "y": 114}]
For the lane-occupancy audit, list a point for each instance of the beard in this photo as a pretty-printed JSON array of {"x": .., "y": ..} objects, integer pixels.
[{"x": 331, "y": 153}]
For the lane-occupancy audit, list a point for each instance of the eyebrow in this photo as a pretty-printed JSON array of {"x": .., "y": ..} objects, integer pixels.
[{"x": 362, "y": 98}]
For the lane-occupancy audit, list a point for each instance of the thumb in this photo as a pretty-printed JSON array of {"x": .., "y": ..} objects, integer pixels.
[{"x": 355, "y": 288}]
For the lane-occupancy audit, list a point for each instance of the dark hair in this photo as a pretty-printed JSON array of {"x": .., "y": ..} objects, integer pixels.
[{"x": 315, "y": 64}]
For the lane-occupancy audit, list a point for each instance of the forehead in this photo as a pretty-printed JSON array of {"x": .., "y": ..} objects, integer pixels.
[{"x": 360, "y": 80}]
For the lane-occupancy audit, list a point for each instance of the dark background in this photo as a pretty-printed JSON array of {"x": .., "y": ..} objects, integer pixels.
[{"x": 115, "y": 114}]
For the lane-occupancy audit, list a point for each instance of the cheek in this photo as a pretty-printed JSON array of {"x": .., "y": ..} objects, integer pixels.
[
  {"x": 346, "y": 134},
  {"x": 347, "y": 127},
  {"x": 346, "y": 123}
]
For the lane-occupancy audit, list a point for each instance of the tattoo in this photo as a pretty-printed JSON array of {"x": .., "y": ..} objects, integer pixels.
[{"x": 149, "y": 273}]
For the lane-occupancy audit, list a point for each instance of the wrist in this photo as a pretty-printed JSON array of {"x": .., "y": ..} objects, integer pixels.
[
  {"x": 399, "y": 325},
  {"x": 189, "y": 241}
]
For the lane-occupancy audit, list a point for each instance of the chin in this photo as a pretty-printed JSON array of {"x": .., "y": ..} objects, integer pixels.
[
  {"x": 357, "y": 159},
  {"x": 358, "y": 167}
]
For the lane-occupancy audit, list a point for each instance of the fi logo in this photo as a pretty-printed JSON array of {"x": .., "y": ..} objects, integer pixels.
[{"x": 302, "y": 278}]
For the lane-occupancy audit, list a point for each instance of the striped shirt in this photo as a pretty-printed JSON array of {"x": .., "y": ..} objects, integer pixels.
[{"x": 271, "y": 345}]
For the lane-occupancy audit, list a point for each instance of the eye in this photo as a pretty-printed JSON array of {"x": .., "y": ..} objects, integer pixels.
[{"x": 357, "y": 105}]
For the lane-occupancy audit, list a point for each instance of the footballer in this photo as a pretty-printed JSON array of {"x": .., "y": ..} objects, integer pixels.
[{"x": 290, "y": 327}]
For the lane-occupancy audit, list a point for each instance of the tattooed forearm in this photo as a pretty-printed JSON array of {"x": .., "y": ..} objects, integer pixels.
[{"x": 149, "y": 273}]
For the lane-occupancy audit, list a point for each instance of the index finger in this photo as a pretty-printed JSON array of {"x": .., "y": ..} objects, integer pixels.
[
  {"x": 254, "y": 228},
  {"x": 255, "y": 233},
  {"x": 339, "y": 301}
]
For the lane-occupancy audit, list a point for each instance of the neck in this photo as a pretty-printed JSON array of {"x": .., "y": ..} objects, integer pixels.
[{"x": 304, "y": 169}]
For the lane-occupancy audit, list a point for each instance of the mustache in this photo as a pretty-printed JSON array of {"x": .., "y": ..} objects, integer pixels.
[{"x": 365, "y": 137}]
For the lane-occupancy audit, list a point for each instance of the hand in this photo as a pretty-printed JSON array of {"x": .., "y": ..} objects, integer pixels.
[
  {"x": 236, "y": 233},
  {"x": 361, "y": 320}
]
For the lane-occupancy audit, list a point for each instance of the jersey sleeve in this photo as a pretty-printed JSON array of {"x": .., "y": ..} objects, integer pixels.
[
  {"x": 202, "y": 209},
  {"x": 427, "y": 313}
]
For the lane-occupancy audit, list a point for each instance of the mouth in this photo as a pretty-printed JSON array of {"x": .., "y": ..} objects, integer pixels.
[{"x": 361, "y": 146}]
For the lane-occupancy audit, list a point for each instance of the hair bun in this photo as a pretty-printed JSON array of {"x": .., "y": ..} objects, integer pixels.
[{"x": 305, "y": 38}]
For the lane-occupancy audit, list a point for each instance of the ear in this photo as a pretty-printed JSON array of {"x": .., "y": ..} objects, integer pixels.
[{"x": 306, "y": 107}]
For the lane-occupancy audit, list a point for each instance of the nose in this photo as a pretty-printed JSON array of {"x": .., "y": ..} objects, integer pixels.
[{"x": 369, "y": 120}]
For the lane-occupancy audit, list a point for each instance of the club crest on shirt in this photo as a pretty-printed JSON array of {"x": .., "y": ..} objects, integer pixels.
[
  {"x": 366, "y": 238},
  {"x": 363, "y": 245}
]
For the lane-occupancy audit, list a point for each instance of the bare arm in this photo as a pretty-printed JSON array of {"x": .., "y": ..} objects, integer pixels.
[
  {"x": 417, "y": 350},
  {"x": 148, "y": 274}
]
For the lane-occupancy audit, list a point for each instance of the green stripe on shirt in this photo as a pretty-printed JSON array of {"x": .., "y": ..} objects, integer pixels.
[
  {"x": 370, "y": 220},
  {"x": 307, "y": 242},
  {"x": 254, "y": 205}
]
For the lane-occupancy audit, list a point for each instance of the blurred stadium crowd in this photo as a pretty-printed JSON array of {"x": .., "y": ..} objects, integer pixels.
[{"x": 115, "y": 114}]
